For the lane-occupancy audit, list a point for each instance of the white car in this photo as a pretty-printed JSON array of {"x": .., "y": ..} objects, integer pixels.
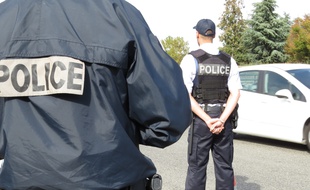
[{"x": 275, "y": 102}]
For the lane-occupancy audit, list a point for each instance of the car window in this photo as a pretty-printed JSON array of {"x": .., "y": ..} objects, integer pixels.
[
  {"x": 302, "y": 75},
  {"x": 274, "y": 82},
  {"x": 249, "y": 80}
]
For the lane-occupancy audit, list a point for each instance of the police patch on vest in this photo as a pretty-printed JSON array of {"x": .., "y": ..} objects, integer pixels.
[
  {"x": 41, "y": 76},
  {"x": 213, "y": 69}
]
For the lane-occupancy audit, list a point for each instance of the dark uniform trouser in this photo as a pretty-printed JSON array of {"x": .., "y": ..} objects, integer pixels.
[{"x": 221, "y": 147}]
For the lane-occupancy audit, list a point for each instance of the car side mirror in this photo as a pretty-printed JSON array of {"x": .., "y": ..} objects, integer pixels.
[{"x": 284, "y": 93}]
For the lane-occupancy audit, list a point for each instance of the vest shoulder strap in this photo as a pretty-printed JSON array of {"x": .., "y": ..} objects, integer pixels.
[
  {"x": 200, "y": 55},
  {"x": 225, "y": 57}
]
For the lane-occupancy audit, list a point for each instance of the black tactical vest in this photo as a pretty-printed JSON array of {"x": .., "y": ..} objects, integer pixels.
[{"x": 210, "y": 85}]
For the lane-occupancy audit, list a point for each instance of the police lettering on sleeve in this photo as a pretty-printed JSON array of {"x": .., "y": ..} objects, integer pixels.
[{"x": 41, "y": 76}]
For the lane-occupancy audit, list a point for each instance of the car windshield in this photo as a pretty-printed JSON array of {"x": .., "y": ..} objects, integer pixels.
[{"x": 303, "y": 75}]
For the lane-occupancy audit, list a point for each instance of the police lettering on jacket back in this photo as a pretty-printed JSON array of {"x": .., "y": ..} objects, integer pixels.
[
  {"x": 212, "y": 76},
  {"x": 213, "y": 69},
  {"x": 41, "y": 76}
]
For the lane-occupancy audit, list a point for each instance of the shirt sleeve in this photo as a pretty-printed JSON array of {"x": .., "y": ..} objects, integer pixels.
[
  {"x": 158, "y": 100},
  {"x": 188, "y": 66},
  {"x": 234, "y": 78}
]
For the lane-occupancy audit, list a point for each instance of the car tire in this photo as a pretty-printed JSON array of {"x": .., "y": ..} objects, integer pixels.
[{"x": 308, "y": 136}]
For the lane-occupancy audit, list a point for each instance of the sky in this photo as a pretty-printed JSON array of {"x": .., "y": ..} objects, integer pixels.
[{"x": 177, "y": 18}]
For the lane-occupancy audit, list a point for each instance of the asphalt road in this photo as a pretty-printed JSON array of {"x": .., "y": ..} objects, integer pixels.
[{"x": 259, "y": 164}]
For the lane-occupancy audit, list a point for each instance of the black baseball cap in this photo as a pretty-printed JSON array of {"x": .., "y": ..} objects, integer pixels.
[{"x": 204, "y": 25}]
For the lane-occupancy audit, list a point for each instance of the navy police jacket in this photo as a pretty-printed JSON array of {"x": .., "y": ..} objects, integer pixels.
[{"x": 82, "y": 84}]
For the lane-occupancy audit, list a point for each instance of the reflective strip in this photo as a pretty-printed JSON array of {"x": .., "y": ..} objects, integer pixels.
[{"x": 41, "y": 76}]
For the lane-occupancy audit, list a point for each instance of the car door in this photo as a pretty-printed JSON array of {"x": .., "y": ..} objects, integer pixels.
[
  {"x": 261, "y": 112},
  {"x": 280, "y": 113},
  {"x": 274, "y": 108},
  {"x": 249, "y": 108}
]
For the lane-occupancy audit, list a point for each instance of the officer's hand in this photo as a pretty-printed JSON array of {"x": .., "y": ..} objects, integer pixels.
[
  {"x": 211, "y": 122},
  {"x": 217, "y": 127}
]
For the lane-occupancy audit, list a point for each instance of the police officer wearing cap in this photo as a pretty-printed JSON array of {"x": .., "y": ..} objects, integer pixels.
[
  {"x": 213, "y": 82},
  {"x": 82, "y": 84}
]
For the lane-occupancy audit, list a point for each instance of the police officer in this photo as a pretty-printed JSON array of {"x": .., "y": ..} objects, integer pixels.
[
  {"x": 213, "y": 82},
  {"x": 83, "y": 83}
]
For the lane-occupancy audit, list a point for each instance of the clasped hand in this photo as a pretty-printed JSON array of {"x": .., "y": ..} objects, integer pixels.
[{"x": 215, "y": 125}]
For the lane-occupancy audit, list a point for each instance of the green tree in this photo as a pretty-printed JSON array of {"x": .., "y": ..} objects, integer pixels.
[
  {"x": 233, "y": 25},
  {"x": 177, "y": 48},
  {"x": 298, "y": 41},
  {"x": 266, "y": 34}
]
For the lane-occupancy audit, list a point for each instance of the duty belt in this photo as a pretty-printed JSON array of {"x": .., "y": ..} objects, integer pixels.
[{"x": 214, "y": 108}]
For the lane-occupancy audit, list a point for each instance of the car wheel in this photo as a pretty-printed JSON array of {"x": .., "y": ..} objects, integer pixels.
[{"x": 308, "y": 136}]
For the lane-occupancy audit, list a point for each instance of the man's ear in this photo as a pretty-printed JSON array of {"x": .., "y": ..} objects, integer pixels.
[{"x": 197, "y": 34}]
